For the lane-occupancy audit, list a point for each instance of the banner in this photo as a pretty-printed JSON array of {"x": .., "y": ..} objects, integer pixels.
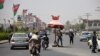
[
  {"x": 2, "y": 4},
  {"x": 15, "y": 8},
  {"x": 24, "y": 11}
]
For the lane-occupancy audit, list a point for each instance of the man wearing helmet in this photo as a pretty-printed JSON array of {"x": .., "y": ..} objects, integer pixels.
[{"x": 35, "y": 41}]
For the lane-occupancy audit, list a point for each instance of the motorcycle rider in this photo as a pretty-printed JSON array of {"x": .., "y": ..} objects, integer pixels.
[
  {"x": 46, "y": 40},
  {"x": 35, "y": 41},
  {"x": 44, "y": 36}
]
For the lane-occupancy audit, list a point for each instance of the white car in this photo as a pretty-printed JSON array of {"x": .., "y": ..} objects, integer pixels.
[
  {"x": 19, "y": 40},
  {"x": 98, "y": 44}
]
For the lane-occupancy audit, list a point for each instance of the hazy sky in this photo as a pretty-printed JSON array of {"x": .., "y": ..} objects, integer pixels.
[{"x": 67, "y": 9}]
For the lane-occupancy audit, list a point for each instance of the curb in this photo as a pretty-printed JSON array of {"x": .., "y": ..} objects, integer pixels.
[{"x": 3, "y": 41}]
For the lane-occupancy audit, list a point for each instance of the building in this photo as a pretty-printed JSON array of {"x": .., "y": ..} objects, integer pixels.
[
  {"x": 29, "y": 21},
  {"x": 92, "y": 24}
]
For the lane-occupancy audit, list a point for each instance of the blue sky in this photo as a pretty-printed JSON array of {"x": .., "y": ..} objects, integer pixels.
[{"x": 67, "y": 9}]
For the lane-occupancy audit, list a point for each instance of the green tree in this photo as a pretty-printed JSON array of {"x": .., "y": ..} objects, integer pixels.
[
  {"x": 1, "y": 27},
  {"x": 82, "y": 26},
  {"x": 67, "y": 25}
]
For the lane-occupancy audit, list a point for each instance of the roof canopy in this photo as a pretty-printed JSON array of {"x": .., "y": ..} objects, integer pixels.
[{"x": 55, "y": 23}]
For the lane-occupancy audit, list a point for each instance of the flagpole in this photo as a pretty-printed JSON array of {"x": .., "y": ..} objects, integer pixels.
[
  {"x": 13, "y": 23},
  {"x": 15, "y": 8}
]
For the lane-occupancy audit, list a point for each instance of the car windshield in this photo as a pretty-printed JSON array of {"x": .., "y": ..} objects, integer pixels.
[{"x": 19, "y": 35}]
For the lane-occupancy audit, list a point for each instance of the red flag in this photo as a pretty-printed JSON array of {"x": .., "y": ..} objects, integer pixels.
[
  {"x": 15, "y": 8},
  {"x": 24, "y": 11},
  {"x": 1, "y": 4},
  {"x": 1, "y": 1}
]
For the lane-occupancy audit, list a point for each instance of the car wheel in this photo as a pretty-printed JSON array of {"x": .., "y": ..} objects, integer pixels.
[{"x": 11, "y": 47}]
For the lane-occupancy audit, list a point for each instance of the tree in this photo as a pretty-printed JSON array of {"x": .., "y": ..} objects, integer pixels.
[
  {"x": 79, "y": 26},
  {"x": 67, "y": 25},
  {"x": 82, "y": 26},
  {"x": 1, "y": 27}
]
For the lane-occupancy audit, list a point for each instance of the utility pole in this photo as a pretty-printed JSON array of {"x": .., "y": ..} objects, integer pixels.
[
  {"x": 87, "y": 17},
  {"x": 80, "y": 18},
  {"x": 98, "y": 10}
]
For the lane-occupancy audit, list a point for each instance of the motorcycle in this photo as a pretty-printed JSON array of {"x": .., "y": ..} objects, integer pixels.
[
  {"x": 45, "y": 42},
  {"x": 34, "y": 51}
]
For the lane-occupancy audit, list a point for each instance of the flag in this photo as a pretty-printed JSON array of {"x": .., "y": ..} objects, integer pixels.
[
  {"x": 30, "y": 14},
  {"x": 1, "y": 4},
  {"x": 15, "y": 8},
  {"x": 24, "y": 11}
]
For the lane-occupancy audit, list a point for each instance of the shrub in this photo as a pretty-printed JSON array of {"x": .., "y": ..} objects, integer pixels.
[{"x": 4, "y": 36}]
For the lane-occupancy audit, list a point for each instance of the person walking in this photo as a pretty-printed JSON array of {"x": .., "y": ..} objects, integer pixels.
[
  {"x": 59, "y": 34},
  {"x": 71, "y": 36},
  {"x": 94, "y": 41}
]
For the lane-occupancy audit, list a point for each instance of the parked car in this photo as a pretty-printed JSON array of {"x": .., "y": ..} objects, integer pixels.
[
  {"x": 85, "y": 36},
  {"x": 19, "y": 40},
  {"x": 98, "y": 43}
]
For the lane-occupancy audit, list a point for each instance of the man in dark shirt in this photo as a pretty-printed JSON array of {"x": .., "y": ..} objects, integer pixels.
[
  {"x": 59, "y": 34},
  {"x": 71, "y": 35},
  {"x": 94, "y": 41}
]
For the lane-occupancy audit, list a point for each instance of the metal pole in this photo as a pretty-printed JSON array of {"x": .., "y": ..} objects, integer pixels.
[
  {"x": 87, "y": 15},
  {"x": 55, "y": 35},
  {"x": 14, "y": 24}
]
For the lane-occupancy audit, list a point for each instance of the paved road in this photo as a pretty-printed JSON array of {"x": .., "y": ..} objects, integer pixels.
[{"x": 78, "y": 49}]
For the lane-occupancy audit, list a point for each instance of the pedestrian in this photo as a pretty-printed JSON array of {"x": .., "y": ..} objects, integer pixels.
[
  {"x": 94, "y": 41},
  {"x": 71, "y": 36},
  {"x": 59, "y": 34},
  {"x": 10, "y": 36}
]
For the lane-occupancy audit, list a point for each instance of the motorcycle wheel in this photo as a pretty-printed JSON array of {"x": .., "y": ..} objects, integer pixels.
[{"x": 44, "y": 45}]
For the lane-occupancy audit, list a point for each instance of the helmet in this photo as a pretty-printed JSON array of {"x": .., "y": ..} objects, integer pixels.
[{"x": 30, "y": 33}]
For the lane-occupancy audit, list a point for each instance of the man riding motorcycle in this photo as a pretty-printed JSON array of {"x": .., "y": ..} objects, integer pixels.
[
  {"x": 44, "y": 37},
  {"x": 35, "y": 41},
  {"x": 45, "y": 42}
]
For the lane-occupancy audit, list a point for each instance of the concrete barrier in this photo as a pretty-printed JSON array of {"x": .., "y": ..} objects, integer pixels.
[{"x": 3, "y": 41}]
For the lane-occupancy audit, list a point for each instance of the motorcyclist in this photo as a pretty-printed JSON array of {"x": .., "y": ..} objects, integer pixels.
[
  {"x": 35, "y": 41},
  {"x": 45, "y": 38}
]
